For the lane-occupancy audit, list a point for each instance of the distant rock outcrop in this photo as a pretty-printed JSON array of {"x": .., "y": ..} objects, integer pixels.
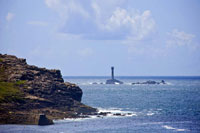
[
  {"x": 27, "y": 91},
  {"x": 150, "y": 82}
]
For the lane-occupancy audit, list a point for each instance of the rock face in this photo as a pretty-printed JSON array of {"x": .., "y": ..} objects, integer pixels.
[{"x": 36, "y": 90}]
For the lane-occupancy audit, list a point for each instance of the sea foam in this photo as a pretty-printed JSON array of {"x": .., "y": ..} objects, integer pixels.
[{"x": 172, "y": 128}]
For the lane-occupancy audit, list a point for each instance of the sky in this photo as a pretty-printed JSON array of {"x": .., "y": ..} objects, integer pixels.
[{"x": 87, "y": 37}]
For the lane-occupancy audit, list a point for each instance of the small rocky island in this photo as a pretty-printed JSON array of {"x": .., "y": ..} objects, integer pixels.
[
  {"x": 149, "y": 82},
  {"x": 33, "y": 95},
  {"x": 113, "y": 80}
]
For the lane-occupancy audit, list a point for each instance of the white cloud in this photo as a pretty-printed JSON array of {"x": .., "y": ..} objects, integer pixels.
[
  {"x": 65, "y": 8},
  {"x": 179, "y": 38},
  {"x": 86, "y": 52},
  {"x": 52, "y": 3},
  {"x": 104, "y": 20},
  {"x": 9, "y": 16},
  {"x": 134, "y": 25},
  {"x": 37, "y": 23}
]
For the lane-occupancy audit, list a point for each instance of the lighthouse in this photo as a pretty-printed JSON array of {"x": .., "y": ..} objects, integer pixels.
[{"x": 113, "y": 80}]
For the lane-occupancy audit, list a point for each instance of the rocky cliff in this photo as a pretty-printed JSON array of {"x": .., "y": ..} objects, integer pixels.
[{"x": 27, "y": 91}]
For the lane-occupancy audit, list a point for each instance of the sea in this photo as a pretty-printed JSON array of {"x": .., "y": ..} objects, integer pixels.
[{"x": 147, "y": 108}]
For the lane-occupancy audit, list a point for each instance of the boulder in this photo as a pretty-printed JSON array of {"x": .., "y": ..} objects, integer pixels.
[{"x": 43, "y": 120}]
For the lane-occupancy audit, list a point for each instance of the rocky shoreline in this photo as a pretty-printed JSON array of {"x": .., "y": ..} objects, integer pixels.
[{"x": 28, "y": 91}]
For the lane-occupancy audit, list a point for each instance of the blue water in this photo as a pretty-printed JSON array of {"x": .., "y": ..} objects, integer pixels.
[{"x": 173, "y": 107}]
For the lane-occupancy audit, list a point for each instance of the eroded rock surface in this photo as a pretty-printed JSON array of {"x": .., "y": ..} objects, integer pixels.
[{"x": 27, "y": 90}]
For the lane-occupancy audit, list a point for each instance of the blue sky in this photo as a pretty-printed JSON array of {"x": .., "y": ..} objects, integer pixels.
[{"x": 87, "y": 37}]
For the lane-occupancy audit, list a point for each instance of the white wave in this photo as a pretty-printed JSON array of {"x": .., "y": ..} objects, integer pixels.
[
  {"x": 91, "y": 83},
  {"x": 112, "y": 112},
  {"x": 172, "y": 128},
  {"x": 150, "y": 113},
  {"x": 128, "y": 83},
  {"x": 78, "y": 119},
  {"x": 168, "y": 83},
  {"x": 168, "y": 127}
]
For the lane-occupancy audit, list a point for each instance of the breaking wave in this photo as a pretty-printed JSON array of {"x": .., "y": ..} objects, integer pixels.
[{"x": 175, "y": 129}]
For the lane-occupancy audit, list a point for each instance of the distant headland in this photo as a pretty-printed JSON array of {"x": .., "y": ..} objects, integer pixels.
[{"x": 33, "y": 95}]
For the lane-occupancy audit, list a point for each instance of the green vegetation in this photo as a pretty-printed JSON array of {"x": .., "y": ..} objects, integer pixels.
[
  {"x": 9, "y": 92},
  {"x": 2, "y": 73},
  {"x": 20, "y": 82},
  {"x": 1, "y": 60}
]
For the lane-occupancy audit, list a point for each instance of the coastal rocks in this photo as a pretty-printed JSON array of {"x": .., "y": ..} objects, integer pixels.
[
  {"x": 40, "y": 82},
  {"x": 28, "y": 89},
  {"x": 150, "y": 82}
]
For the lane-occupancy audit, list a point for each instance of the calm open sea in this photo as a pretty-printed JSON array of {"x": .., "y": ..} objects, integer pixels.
[{"x": 172, "y": 107}]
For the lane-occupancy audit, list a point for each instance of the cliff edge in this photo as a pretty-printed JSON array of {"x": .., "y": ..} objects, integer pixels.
[{"x": 27, "y": 91}]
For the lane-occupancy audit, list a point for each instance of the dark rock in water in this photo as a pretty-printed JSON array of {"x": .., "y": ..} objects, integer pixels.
[
  {"x": 149, "y": 82},
  {"x": 43, "y": 120},
  {"x": 163, "y": 82},
  {"x": 118, "y": 114},
  {"x": 103, "y": 113},
  {"x": 113, "y": 81}
]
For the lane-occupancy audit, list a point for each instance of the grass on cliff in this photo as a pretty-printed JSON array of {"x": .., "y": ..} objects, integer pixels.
[
  {"x": 20, "y": 82},
  {"x": 9, "y": 92}
]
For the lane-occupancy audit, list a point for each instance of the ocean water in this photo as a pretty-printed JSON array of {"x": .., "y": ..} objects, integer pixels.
[{"x": 170, "y": 107}]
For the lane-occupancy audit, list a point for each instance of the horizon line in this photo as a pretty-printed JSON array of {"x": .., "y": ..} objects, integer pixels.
[{"x": 133, "y": 76}]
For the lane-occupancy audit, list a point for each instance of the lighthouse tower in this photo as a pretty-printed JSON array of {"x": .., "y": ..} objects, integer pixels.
[
  {"x": 113, "y": 80},
  {"x": 112, "y": 72}
]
